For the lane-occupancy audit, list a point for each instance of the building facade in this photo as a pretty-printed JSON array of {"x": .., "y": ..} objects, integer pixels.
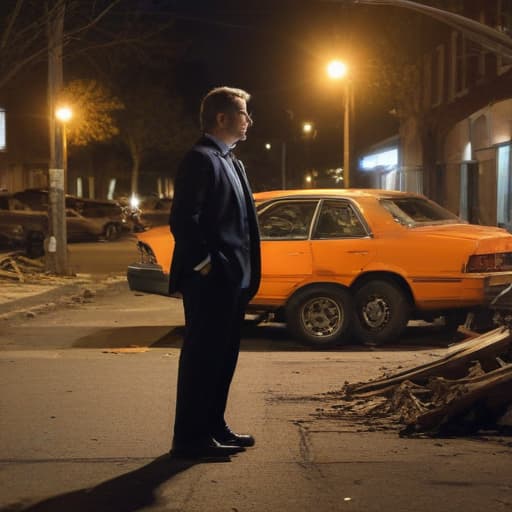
[{"x": 455, "y": 145}]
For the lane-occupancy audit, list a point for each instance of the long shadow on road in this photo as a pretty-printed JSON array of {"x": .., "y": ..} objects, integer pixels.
[
  {"x": 126, "y": 493},
  {"x": 265, "y": 337}
]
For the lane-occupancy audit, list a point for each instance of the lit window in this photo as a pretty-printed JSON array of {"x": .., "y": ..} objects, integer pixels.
[
  {"x": 2, "y": 130},
  {"x": 387, "y": 159}
]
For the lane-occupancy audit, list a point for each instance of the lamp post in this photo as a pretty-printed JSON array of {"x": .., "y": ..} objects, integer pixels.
[
  {"x": 338, "y": 70},
  {"x": 57, "y": 242},
  {"x": 64, "y": 115}
]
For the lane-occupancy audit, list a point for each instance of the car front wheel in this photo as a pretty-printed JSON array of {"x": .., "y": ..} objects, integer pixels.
[
  {"x": 320, "y": 316},
  {"x": 382, "y": 311}
]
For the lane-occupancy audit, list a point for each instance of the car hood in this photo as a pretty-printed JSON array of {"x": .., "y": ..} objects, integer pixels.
[{"x": 154, "y": 233}]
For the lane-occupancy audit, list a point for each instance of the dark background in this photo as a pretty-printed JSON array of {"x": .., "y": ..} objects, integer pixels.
[{"x": 278, "y": 51}]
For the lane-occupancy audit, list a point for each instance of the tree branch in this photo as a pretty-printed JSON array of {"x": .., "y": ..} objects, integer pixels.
[{"x": 10, "y": 22}]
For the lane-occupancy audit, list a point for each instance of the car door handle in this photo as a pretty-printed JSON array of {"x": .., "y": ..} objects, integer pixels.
[
  {"x": 295, "y": 253},
  {"x": 358, "y": 252}
]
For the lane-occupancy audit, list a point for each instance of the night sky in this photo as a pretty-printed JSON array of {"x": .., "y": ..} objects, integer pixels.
[{"x": 278, "y": 51}]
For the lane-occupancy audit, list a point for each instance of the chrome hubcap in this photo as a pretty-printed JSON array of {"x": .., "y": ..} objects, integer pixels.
[
  {"x": 376, "y": 313},
  {"x": 322, "y": 316}
]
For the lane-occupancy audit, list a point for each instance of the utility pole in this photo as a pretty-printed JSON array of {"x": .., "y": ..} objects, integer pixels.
[
  {"x": 56, "y": 247},
  {"x": 283, "y": 165}
]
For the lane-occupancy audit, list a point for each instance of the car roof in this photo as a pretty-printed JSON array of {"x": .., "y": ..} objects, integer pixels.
[{"x": 353, "y": 193}]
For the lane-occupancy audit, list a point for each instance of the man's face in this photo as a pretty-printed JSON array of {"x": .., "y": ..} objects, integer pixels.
[{"x": 237, "y": 122}]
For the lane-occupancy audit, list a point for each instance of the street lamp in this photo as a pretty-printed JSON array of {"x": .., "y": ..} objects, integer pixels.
[
  {"x": 338, "y": 70},
  {"x": 307, "y": 128},
  {"x": 64, "y": 115},
  {"x": 57, "y": 242}
]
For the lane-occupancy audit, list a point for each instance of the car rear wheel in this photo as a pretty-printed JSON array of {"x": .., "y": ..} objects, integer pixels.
[
  {"x": 382, "y": 311},
  {"x": 320, "y": 316},
  {"x": 111, "y": 232}
]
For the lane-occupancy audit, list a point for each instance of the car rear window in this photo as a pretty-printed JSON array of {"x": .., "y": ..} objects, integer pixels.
[{"x": 417, "y": 211}]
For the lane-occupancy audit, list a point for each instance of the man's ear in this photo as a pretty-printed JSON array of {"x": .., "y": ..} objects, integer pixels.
[{"x": 221, "y": 119}]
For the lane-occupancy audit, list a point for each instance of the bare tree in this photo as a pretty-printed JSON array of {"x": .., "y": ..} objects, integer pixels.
[
  {"x": 24, "y": 28},
  {"x": 152, "y": 120},
  {"x": 94, "y": 109}
]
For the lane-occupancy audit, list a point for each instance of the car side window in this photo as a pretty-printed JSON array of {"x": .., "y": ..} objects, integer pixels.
[
  {"x": 287, "y": 220},
  {"x": 338, "y": 219}
]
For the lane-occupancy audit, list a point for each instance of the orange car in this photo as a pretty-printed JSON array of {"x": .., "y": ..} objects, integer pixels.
[{"x": 365, "y": 262}]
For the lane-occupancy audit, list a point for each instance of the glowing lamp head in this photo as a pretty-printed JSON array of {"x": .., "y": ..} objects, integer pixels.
[
  {"x": 307, "y": 127},
  {"x": 337, "y": 69},
  {"x": 64, "y": 114}
]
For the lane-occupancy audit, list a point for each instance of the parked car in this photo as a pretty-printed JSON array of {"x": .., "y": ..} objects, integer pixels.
[
  {"x": 20, "y": 227},
  {"x": 107, "y": 214},
  {"x": 336, "y": 262},
  {"x": 155, "y": 211}
]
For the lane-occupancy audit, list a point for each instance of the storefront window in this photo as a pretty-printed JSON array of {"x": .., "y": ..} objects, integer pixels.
[
  {"x": 504, "y": 186},
  {"x": 2, "y": 130}
]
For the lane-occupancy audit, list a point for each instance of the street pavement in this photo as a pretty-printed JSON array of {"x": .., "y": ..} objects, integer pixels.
[{"x": 86, "y": 410}]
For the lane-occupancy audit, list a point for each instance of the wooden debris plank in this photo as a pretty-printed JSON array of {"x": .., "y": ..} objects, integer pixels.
[
  {"x": 30, "y": 262},
  {"x": 9, "y": 274},
  {"x": 453, "y": 365},
  {"x": 16, "y": 268},
  {"x": 495, "y": 392}
]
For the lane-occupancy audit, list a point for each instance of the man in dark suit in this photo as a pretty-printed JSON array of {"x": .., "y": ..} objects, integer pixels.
[{"x": 216, "y": 267}]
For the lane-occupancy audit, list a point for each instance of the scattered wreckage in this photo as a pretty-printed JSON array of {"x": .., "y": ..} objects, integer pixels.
[
  {"x": 16, "y": 266},
  {"x": 467, "y": 391}
]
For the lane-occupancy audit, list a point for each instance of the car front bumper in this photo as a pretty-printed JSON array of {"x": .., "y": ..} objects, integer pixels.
[{"x": 149, "y": 278}]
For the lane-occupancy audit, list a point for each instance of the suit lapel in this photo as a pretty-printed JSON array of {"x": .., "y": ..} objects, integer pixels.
[
  {"x": 240, "y": 170},
  {"x": 231, "y": 165},
  {"x": 232, "y": 173}
]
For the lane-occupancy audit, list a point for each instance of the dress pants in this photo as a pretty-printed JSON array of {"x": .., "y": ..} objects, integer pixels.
[{"x": 214, "y": 311}]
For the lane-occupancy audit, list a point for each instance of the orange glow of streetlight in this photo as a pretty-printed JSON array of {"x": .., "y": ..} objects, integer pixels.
[
  {"x": 307, "y": 127},
  {"x": 337, "y": 69},
  {"x": 64, "y": 114}
]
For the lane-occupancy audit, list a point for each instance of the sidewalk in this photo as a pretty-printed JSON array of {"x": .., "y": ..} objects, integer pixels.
[
  {"x": 29, "y": 290},
  {"x": 41, "y": 293}
]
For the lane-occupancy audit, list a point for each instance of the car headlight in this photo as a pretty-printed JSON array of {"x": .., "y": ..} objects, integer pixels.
[
  {"x": 496, "y": 262},
  {"x": 146, "y": 253}
]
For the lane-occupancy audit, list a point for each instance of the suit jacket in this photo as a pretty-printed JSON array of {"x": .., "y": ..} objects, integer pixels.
[{"x": 207, "y": 218}]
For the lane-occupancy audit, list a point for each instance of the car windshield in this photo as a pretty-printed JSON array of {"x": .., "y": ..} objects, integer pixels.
[{"x": 417, "y": 211}]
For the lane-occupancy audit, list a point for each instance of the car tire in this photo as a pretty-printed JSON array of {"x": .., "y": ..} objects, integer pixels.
[
  {"x": 320, "y": 316},
  {"x": 111, "y": 232},
  {"x": 382, "y": 311},
  {"x": 34, "y": 244}
]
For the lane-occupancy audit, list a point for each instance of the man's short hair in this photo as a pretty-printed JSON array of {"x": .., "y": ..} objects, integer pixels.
[{"x": 220, "y": 99}]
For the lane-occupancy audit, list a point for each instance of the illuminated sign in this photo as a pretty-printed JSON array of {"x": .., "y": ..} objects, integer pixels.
[{"x": 387, "y": 159}]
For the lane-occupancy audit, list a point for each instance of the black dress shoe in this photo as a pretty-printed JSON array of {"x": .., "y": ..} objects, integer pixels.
[
  {"x": 204, "y": 448},
  {"x": 229, "y": 438}
]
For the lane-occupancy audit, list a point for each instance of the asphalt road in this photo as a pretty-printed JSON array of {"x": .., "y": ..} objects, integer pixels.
[
  {"x": 101, "y": 258},
  {"x": 87, "y": 396}
]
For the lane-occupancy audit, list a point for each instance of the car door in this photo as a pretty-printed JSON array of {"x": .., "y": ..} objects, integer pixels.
[
  {"x": 285, "y": 228},
  {"x": 341, "y": 243}
]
